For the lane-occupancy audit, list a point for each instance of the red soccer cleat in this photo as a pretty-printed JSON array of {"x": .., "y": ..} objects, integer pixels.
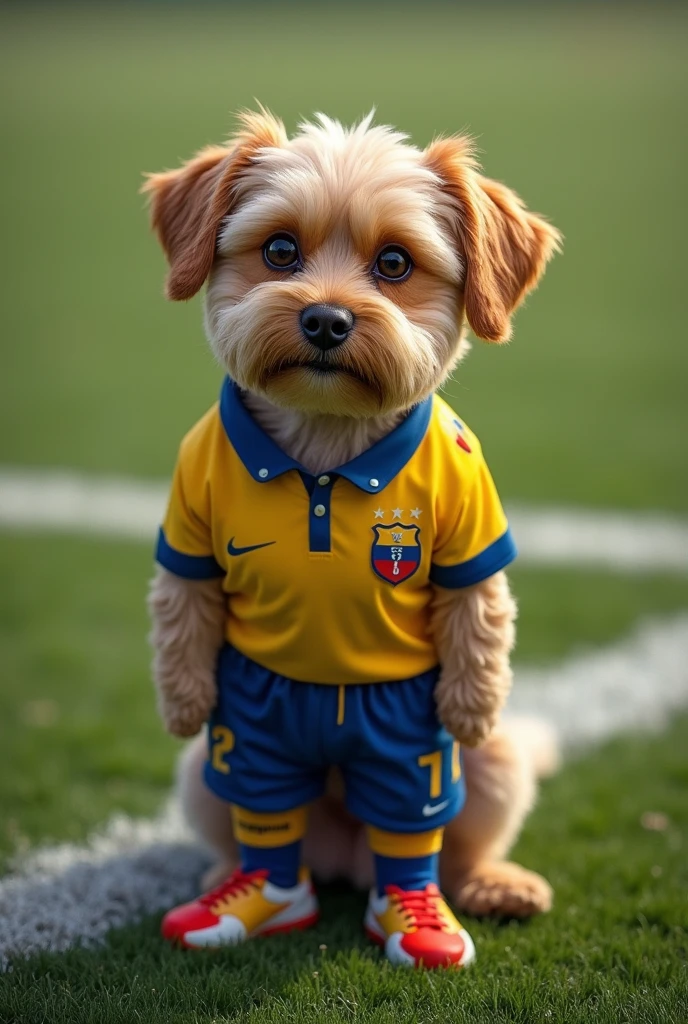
[
  {"x": 247, "y": 904},
  {"x": 417, "y": 928}
]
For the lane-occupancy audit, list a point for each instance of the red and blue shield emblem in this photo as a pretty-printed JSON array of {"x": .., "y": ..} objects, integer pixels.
[{"x": 396, "y": 552}]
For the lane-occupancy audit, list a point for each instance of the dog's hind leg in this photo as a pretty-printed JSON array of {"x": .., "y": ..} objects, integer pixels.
[
  {"x": 207, "y": 814},
  {"x": 501, "y": 788}
]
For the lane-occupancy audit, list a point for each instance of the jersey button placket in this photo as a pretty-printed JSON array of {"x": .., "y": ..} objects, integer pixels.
[{"x": 319, "y": 513}]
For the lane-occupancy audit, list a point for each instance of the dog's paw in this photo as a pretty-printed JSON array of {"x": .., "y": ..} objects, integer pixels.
[
  {"x": 471, "y": 729},
  {"x": 502, "y": 889},
  {"x": 184, "y": 719}
]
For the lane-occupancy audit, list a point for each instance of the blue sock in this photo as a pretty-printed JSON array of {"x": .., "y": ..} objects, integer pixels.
[
  {"x": 406, "y": 872},
  {"x": 283, "y": 862}
]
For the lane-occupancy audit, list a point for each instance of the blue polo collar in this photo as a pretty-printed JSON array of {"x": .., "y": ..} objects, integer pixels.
[{"x": 371, "y": 471}]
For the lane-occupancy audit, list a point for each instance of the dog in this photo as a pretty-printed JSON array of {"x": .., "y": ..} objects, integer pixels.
[{"x": 342, "y": 268}]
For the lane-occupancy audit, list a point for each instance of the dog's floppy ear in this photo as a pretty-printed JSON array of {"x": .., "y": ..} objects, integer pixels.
[
  {"x": 189, "y": 204},
  {"x": 504, "y": 246}
]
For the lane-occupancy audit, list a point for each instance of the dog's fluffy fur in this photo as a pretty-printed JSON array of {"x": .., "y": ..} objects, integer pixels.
[{"x": 477, "y": 251}]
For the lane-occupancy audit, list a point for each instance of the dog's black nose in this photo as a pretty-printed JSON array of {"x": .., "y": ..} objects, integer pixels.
[{"x": 326, "y": 326}]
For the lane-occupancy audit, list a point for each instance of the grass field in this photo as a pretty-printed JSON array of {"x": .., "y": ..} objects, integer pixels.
[{"x": 583, "y": 111}]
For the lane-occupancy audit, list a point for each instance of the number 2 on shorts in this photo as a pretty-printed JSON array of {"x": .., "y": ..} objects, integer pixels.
[{"x": 223, "y": 743}]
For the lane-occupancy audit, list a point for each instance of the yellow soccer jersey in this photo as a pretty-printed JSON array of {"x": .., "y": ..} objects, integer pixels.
[{"x": 329, "y": 578}]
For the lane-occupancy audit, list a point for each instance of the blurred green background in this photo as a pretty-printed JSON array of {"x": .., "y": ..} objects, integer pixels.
[{"x": 581, "y": 108}]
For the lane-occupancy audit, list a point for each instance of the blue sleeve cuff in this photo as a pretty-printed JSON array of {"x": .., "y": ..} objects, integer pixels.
[
  {"x": 486, "y": 564},
  {"x": 190, "y": 567}
]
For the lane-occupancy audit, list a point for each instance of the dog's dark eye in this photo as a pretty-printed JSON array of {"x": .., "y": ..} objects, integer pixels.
[
  {"x": 281, "y": 252},
  {"x": 393, "y": 263}
]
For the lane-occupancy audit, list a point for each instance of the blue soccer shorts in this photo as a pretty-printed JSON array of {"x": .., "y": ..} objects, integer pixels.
[{"x": 272, "y": 740}]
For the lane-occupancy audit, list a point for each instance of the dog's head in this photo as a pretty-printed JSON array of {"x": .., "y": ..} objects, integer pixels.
[{"x": 342, "y": 264}]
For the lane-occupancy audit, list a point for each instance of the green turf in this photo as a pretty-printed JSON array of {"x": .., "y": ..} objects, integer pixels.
[
  {"x": 613, "y": 951},
  {"x": 582, "y": 112}
]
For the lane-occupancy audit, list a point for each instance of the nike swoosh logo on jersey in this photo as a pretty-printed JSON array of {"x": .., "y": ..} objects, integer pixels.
[
  {"x": 251, "y": 547},
  {"x": 431, "y": 809}
]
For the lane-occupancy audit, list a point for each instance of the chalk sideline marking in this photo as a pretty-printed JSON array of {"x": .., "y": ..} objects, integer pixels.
[
  {"x": 114, "y": 507},
  {"x": 65, "y": 895}
]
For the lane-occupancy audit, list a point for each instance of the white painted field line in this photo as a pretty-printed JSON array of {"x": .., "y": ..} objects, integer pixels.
[
  {"x": 637, "y": 542},
  {"x": 65, "y": 895},
  {"x": 69, "y": 502},
  {"x": 37, "y": 500},
  {"x": 633, "y": 684}
]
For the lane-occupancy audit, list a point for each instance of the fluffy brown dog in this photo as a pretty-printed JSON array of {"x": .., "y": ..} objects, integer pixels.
[{"x": 475, "y": 251}]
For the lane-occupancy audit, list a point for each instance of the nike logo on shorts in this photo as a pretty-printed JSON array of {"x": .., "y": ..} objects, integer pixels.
[
  {"x": 431, "y": 809},
  {"x": 251, "y": 547}
]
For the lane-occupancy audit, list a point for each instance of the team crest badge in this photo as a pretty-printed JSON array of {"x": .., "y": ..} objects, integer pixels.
[{"x": 396, "y": 552}]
